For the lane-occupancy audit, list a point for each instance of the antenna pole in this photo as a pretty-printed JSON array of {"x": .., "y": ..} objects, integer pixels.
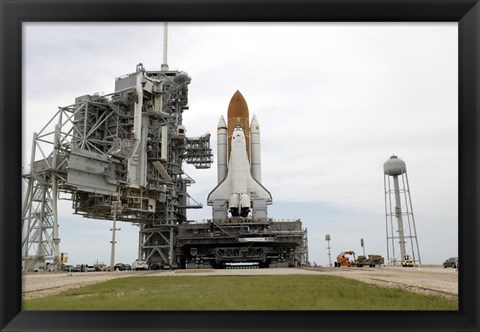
[{"x": 165, "y": 46}]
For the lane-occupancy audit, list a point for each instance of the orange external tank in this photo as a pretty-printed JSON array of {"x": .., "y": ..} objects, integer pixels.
[{"x": 238, "y": 115}]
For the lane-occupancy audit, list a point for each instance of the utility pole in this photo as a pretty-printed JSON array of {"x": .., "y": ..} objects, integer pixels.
[
  {"x": 363, "y": 246},
  {"x": 116, "y": 208},
  {"x": 327, "y": 238}
]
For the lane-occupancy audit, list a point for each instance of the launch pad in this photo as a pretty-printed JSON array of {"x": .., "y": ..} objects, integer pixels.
[{"x": 120, "y": 157}]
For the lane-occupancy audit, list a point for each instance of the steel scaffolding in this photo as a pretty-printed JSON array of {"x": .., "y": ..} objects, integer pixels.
[{"x": 128, "y": 146}]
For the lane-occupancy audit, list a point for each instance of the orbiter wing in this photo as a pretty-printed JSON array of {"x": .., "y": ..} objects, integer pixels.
[{"x": 224, "y": 189}]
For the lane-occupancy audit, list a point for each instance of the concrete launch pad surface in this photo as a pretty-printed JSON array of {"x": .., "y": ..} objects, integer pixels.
[{"x": 426, "y": 280}]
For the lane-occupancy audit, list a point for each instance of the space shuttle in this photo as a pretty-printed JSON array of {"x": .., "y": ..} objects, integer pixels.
[{"x": 239, "y": 166}]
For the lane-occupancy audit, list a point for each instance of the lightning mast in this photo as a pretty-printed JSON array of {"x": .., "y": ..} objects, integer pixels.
[{"x": 165, "y": 46}]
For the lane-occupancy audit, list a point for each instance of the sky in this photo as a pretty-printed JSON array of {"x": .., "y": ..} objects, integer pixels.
[{"x": 334, "y": 101}]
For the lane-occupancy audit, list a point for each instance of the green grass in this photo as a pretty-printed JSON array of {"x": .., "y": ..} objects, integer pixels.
[{"x": 284, "y": 292}]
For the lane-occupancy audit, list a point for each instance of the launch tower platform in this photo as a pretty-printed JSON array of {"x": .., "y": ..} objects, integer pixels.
[{"x": 241, "y": 241}]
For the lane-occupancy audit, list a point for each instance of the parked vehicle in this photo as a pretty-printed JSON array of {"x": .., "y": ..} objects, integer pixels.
[
  {"x": 371, "y": 260},
  {"x": 128, "y": 267},
  {"x": 344, "y": 260},
  {"x": 100, "y": 267},
  {"x": 119, "y": 267},
  {"x": 39, "y": 267},
  {"x": 90, "y": 268},
  {"x": 155, "y": 266},
  {"x": 451, "y": 262},
  {"x": 139, "y": 265},
  {"x": 66, "y": 268},
  {"x": 407, "y": 261},
  {"x": 77, "y": 268}
]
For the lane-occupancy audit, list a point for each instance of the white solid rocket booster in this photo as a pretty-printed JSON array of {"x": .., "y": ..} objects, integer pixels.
[
  {"x": 221, "y": 149},
  {"x": 255, "y": 163}
]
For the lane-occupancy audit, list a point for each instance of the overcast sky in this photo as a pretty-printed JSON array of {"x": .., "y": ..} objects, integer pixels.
[{"x": 334, "y": 101}]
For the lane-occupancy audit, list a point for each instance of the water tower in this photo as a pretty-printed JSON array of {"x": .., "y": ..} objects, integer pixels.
[{"x": 400, "y": 223}]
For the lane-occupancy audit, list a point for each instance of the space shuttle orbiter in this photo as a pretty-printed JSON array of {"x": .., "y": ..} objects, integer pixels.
[{"x": 239, "y": 165}]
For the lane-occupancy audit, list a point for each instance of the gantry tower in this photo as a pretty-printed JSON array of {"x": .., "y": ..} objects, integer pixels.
[{"x": 128, "y": 146}]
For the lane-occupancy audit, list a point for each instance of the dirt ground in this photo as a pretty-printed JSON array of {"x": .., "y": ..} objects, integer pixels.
[{"x": 426, "y": 280}]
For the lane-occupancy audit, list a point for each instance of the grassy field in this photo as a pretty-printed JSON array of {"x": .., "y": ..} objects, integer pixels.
[{"x": 282, "y": 292}]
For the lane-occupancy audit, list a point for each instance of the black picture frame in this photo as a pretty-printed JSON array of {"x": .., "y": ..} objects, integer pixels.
[{"x": 14, "y": 12}]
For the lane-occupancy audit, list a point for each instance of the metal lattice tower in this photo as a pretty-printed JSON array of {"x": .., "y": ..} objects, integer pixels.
[
  {"x": 305, "y": 259},
  {"x": 128, "y": 146},
  {"x": 327, "y": 238},
  {"x": 400, "y": 222}
]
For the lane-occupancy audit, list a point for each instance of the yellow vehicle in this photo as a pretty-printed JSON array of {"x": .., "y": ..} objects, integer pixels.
[{"x": 407, "y": 261}]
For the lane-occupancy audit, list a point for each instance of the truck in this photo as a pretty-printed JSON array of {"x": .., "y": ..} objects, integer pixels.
[
  {"x": 100, "y": 266},
  {"x": 407, "y": 261},
  {"x": 372, "y": 261},
  {"x": 344, "y": 259}
]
